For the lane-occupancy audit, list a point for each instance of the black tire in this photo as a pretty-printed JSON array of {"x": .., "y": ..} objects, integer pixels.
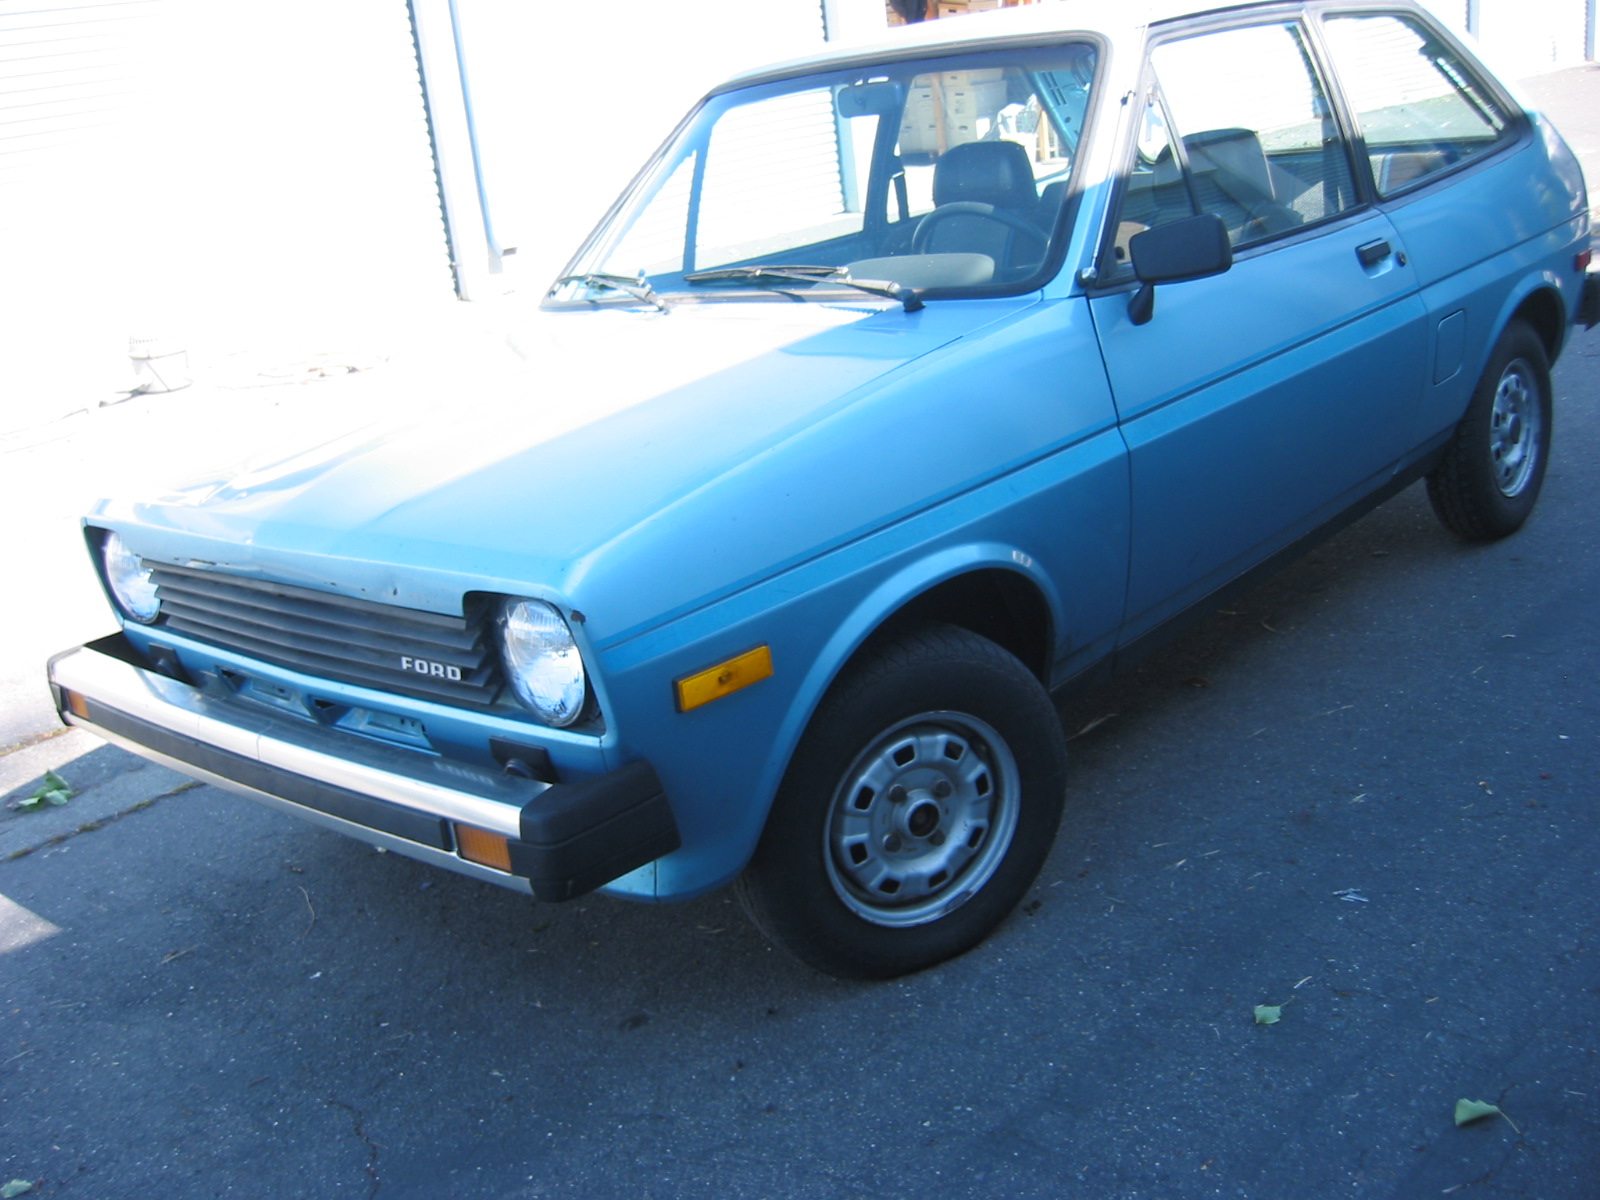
[
  {"x": 1488, "y": 481},
  {"x": 919, "y": 807}
]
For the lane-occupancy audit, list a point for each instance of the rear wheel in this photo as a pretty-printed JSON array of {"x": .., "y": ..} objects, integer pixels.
[
  {"x": 919, "y": 807},
  {"x": 1488, "y": 481}
]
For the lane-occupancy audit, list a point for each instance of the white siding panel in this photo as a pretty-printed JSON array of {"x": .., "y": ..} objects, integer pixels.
[{"x": 70, "y": 72}]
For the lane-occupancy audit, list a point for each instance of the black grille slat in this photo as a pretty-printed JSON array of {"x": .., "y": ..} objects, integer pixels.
[
  {"x": 264, "y": 626},
  {"x": 479, "y": 690},
  {"x": 351, "y": 657},
  {"x": 336, "y": 637},
  {"x": 238, "y": 585},
  {"x": 283, "y": 610}
]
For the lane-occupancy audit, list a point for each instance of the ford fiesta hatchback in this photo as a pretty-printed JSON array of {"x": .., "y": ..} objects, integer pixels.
[{"x": 906, "y": 384}]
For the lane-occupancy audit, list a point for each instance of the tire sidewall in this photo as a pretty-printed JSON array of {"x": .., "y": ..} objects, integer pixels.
[
  {"x": 1501, "y": 514},
  {"x": 796, "y": 901}
]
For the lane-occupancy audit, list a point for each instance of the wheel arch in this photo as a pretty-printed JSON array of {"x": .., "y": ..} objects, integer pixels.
[
  {"x": 1543, "y": 310},
  {"x": 1002, "y": 605},
  {"x": 992, "y": 589},
  {"x": 953, "y": 585}
]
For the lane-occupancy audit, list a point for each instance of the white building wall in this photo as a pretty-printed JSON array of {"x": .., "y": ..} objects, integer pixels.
[
  {"x": 231, "y": 165},
  {"x": 570, "y": 99},
  {"x": 1524, "y": 37}
]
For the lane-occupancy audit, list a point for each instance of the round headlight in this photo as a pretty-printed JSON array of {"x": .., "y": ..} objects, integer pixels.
[
  {"x": 130, "y": 581},
  {"x": 543, "y": 662}
]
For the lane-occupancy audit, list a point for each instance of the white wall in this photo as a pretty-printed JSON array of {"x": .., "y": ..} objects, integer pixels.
[
  {"x": 570, "y": 99},
  {"x": 268, "y": 163},
  {"x": 1523, "y": 37}
]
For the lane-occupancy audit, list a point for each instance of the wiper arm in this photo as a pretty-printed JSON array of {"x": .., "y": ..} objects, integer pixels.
[
  {"x": 909, "y": 299},
  {"x": 639, "y": 288}
]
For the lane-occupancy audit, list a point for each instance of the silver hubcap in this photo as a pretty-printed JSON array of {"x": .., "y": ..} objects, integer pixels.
[
  {"x": 922, "y": 819},
  {"x": 1514, "y": 428}
]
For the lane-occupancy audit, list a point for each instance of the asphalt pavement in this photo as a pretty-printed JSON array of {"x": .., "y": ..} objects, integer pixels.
[{"x": 1364, "y": 795}]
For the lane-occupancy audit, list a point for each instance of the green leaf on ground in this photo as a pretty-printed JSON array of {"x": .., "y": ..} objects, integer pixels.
[
  {"x": 1268, "y": 1014},
  {"x": 54, "y": 791},
  {"x": 17, "y": 1187},
  {"x": 1475, "y": 1110}
]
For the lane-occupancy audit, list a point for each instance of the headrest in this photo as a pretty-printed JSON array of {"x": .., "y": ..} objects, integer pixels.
[
  {"x": 1235, "y": 160},
  {"x": 997, "y": 173}
]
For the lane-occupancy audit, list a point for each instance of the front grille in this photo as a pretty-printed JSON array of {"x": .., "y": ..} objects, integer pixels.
[{"x": 429, "y": 655}]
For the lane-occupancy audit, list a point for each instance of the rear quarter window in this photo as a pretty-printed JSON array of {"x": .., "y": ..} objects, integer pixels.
[{"x": 1420, "y": 108}]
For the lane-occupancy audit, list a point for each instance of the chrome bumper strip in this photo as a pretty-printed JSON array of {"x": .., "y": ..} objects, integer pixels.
[{"x": 190, "y": 716}]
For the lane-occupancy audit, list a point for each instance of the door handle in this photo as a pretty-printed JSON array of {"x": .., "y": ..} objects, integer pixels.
[{"x": 1373, "y": 253}]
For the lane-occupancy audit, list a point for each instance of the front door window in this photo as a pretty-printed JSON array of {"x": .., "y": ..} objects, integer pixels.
[{"x": 1237, "y": 124}]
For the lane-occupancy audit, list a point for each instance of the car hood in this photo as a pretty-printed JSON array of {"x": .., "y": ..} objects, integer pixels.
[{"x": 610, "y": 420}]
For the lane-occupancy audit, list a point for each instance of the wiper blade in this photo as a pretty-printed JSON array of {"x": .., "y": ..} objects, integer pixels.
[
  {"x": 639, "y": 288},
  {"x": 764, "y": 271},
  {"x": 909, "y": 299}
]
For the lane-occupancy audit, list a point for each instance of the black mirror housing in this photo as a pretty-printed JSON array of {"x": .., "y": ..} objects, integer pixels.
[
  {"x": 870, "y": 99},
  {"x": 1193, "y": 248}
]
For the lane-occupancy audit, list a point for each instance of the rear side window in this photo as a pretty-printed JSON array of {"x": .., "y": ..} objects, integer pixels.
[
  {"x": 1238, "y": 124},
  {"x": 1420, "y": 109}
]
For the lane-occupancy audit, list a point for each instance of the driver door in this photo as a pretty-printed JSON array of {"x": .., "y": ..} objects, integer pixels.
[{"x": 1259, "y": 402}]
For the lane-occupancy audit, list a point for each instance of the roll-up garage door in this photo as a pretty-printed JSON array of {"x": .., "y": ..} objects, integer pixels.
[{"x": 70, "y": 71}]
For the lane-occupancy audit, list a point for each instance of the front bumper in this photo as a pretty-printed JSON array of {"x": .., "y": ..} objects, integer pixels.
[{"x": 560, "y": 840}]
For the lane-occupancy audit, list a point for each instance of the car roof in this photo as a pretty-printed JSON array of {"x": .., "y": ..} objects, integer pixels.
[{"x": 1117, "y": 19}]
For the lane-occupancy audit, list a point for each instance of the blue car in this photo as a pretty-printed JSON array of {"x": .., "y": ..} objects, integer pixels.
[{"x": 907, "y": 384}]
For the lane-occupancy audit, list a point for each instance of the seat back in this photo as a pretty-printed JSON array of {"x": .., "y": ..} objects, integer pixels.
[
  {"x": 1233, "y": 179},
  {"x": 996, "y": 173}
]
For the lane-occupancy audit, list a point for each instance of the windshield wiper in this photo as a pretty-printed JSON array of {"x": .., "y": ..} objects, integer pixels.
[
  {"x": 806, "y": 273},
  {"x": 639, "y": 288}
]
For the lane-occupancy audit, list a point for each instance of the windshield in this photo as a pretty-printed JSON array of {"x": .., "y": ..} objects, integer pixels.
[{"x": 943, "y": 174}]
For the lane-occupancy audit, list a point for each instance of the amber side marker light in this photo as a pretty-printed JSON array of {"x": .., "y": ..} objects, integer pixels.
[
  {"x": 77, "y": 705},
  {"x": 482, "y": 847},
  {"x": 723, "y": 679}
]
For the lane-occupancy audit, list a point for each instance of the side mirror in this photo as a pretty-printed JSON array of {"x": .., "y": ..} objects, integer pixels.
[{"x": 1193, "y": 248}]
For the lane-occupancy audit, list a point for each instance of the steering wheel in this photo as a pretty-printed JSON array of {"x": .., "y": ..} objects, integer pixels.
[{"x": 973, "y": 208}]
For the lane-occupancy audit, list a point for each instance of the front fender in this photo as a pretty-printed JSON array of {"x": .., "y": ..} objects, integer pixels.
[
  {"x": 722, "y": 763},
  {"x": 888, "y": 598}
]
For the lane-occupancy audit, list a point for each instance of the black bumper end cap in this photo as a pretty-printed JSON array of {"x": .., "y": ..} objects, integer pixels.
[{"x": 578, "y": 836}]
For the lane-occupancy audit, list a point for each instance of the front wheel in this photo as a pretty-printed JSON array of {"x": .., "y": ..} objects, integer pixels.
[
  {"x": 1486, "y": 485},
  {"x": 919, "y": 807}
]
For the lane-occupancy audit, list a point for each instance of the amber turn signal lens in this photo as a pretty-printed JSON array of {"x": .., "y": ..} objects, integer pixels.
[
  {"x": 723, "y": 679},
  {"x": 77, "y": 705},
  {"x": 482, "y": 847}
]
